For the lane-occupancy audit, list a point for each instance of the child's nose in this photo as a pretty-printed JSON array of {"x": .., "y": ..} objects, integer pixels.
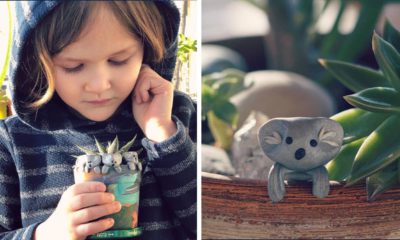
[{"x": 98, "y": 82}]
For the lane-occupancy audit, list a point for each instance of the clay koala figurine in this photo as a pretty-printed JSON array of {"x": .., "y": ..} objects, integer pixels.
[
  {"x": 86, "y": 163},
  {"x": 111, "y": 160},
  {"x": 300, "y": 147}
]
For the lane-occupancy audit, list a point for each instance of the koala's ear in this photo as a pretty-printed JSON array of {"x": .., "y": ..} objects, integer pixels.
[
  {"x": 271, "y": 134},
  {"x": 331, "y": 133},
  {"x": 324, "y": 136},
  {"x": 275, "y": 138}
]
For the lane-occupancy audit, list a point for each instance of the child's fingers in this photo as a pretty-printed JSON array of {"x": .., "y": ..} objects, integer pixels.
[
  {"x": 142, "y": 90},
  {"x": 94, "y": 227},
  {"x": 155, "y": 86},
  {"x": 86, "y": 187},
  {"x": 162, "y": 87},
  {"x": 90, "y": 199},
  {"x": 149, "y": 82},
  {"x": 92, "y": 213}
]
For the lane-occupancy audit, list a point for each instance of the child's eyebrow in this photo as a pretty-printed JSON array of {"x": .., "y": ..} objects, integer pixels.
[{"x": 72, "y": 59}]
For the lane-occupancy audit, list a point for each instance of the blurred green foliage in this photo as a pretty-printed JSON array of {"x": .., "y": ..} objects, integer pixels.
[
  {"x": 3, "y": 97},
  {"x": 221, "y": 114}
]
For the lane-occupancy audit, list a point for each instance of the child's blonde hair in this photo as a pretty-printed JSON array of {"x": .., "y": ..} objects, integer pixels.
[{"x": 65, "y": 23}]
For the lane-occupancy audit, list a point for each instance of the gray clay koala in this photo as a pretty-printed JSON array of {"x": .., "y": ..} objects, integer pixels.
[
  {"x": 86, "y": 163},
  {"x": 300, "y": 147}
]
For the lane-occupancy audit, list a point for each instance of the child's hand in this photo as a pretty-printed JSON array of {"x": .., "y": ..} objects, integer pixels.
[
  {"x": 74, "y": 216},
  {"x": 152, "y": 105}
]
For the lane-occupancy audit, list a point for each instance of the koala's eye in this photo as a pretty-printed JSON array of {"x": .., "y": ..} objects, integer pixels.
[
  {"x": 289, "y": 140},
  {"x": 313, "y": 143}
]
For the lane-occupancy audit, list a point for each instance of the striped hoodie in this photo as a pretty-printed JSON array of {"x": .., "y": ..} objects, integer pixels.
[{"x": 37, "y": 148}]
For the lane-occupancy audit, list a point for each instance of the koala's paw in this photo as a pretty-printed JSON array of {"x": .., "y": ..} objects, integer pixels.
[
  {"x": 97, "y": 170},
  {"x": 104, "y": 169},
  {"x": 275, "y": 193},
  {"x": 118, "y": 169},
  {"x": 321, "y": 183},
  {"x": 276, "y": 186}
]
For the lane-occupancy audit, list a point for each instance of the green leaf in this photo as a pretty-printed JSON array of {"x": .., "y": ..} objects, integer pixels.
[
  {"x": 113, "y": 147},
  {"x": 227, "y": 112},
  {"x": 340, "y": 167},
  {"x": 221, "y": 131},
  {"x": 358, "y": 123},
  {"x": 213, "y": 78},
  {"x": 388, "y": 59},
  {"x": 355, "y": 43},
  {"x": 86, "y": 151},
  {"x": 208, "y": 97},
  {"x": 380, "y": 149},
  {"x": 100, "y": 147},
  {"x": 378, "y": 99},
  {"x": 382, "y": 180},
  {"x": 230, "y": 87},
  {"x": 354, "y": 77},
  {"x": 9, "y": 45},
  {"x": 391, "y": 35},
  {"x": 332, "y": 37},
  {"x": 186, "y": 46},
  {"x": 128, "y": 145},
  {"x": 4, "y": 101}
]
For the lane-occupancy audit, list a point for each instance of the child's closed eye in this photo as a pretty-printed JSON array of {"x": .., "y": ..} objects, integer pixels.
[
  {"x": 80, "y": 66},
  {"x": 118, "y": 63},
  {"x": 73, "y": 69}
]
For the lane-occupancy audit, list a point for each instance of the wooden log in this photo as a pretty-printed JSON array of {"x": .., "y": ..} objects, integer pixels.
[{"x": 234, "y": 208}]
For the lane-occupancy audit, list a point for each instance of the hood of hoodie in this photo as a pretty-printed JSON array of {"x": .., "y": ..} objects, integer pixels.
[{"x": 56, "y": 115}]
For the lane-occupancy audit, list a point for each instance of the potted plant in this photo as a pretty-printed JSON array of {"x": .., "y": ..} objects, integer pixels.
[
  {"x": 372, "y": 145},
  {"x": 120, "y": 170}
]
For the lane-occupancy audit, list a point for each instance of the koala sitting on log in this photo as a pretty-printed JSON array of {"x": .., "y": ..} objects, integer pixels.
[{"x": 300, "y": 147}]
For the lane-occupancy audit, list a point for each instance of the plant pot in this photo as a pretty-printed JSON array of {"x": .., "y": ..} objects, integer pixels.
[
  {"x": 240, "y": 209},
  {"x": 125, "y": 186}
]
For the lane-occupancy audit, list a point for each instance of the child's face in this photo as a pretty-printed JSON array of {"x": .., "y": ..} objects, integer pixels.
[{"x": 98, "y": 71}]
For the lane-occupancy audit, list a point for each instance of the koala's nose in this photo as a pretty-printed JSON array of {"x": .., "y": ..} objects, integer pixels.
[{"x": 300, "y": 153}]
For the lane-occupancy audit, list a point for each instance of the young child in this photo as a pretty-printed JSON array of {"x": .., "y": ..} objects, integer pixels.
[{"x": 85, "y": 70}]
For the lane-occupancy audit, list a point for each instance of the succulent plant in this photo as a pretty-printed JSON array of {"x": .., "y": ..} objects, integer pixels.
[
  {"x": 371, "y": 146},
  {"x": 108, "y": 157}
]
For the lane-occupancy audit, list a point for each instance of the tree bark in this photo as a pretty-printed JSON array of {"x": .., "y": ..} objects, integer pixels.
[{"x": 234, "y": 208}]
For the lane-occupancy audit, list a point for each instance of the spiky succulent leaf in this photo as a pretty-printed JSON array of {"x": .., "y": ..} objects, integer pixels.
[
  {"x": 340, "y": 167},
  {"x": 86, "y": 151},
  {"x": 378, "y": 99},
  {"x": 382, "y": 180},
  {"x": 391, "y": 35},
  {"x": 113, "y": 147},
  {"x": 100, "y": 147},
  {"x": 378, "y": 150},
  {"x": 388, "y": 59},
  {"x": 355, "y": 77},
  {"x": 378, "y": 157},
  {"x": 353, "y": 118},
  {"x": 127, "y": 146}
]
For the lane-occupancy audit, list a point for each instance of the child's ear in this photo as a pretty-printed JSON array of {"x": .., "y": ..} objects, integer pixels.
[
  {"x": 270, "y": 134},
  {"x": 331, "y": 133}
]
